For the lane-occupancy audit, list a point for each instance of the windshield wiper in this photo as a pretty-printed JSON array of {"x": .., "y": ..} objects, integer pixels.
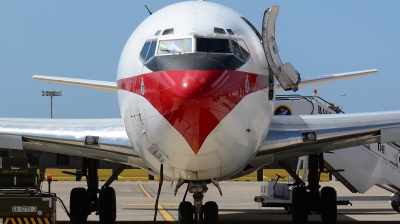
[
  {"x": 167, "y": 50},
  {"x": 170, "y": 51}
]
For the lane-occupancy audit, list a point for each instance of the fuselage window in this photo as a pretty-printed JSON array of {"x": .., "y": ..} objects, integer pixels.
[
  {"x": 175, "y": 46},
  {"x": 168, "y": 31},
  {"x": 144, "y": 51},
  {"x": 213, "y": 45},
  {"x": 230, "y": 31},
  {"x": 236, "y": 49},
  {"x": 244, "y": 48},
  {"x": 219, "y": 30},
  {"x": 157, "y": 33}
]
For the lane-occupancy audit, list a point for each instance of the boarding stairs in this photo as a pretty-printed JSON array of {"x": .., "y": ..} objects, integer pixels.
[
  {"x": 363, "y": 166},
  {"x": 306, "y": 105}
]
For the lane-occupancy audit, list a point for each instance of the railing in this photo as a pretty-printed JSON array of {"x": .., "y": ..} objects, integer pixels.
[{"x": 296, "y": 97}]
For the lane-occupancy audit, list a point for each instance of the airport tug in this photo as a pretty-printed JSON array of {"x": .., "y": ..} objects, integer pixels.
[{"x": 21, "y": 199}]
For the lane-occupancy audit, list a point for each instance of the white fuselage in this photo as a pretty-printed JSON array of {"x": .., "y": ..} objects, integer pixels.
[{"x": 201, "y": 111}]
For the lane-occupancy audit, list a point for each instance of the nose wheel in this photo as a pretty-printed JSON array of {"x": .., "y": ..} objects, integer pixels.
[
  {"x": 189, "y": 213},
  {"x": 185, "y": 213},
  {"x": 211, "y": 212}
]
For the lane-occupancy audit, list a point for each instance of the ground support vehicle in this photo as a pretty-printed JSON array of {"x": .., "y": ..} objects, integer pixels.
[{"x": 21, "y": 198}]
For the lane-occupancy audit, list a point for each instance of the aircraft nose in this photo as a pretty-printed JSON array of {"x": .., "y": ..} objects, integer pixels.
[
  {"x": 194, "y": 92},
  {"x": 195, "y": 101}
]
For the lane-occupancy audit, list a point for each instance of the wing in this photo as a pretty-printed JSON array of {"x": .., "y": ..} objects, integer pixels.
[
  {"x": 94, "y": 84},
  {"x": 312, "y": 81},
  {"x": 287, "y": 136},
  {"x": 109, "y": 140}
]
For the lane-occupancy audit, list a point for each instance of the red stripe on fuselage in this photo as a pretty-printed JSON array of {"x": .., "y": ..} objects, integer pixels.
[{"x": 194, "y": 101}]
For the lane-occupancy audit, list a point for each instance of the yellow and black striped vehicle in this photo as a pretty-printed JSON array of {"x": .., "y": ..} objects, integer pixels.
[{"x": 21, "y": 198}]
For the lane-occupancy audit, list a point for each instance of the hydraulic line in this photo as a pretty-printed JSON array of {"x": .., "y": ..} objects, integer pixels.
[{"x": 158, "y": 193}]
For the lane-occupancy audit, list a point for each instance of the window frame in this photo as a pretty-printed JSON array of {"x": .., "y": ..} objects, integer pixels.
[
  {"x": 240, "y": 48},
  {"x": 219, "y": 38},
  {"x": 146, "y": 59},
  {"x": 219, "y": 31},
  {"x": 141, "y": 49},
  {"x": 155, "y": 49},
  {"x": 168, "y": 31},
  {"x": 175, "y": 38},
  {"x": 194, "y": 47}
]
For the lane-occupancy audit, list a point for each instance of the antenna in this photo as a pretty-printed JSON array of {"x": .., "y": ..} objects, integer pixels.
[{"x": 148, "y": 9}]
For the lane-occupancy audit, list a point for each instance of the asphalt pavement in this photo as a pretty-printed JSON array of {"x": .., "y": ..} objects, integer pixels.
[{"x": 135, "y": 203}]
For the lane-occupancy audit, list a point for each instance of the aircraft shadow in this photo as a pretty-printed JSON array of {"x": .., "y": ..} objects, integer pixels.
[{"x": 256, "y": 216}]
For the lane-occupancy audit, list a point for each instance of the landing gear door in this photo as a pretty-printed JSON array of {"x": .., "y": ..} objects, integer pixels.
[{"x": 285, "y": 73}]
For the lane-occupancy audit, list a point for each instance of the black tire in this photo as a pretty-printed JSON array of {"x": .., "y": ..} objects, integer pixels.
[
  {"x": 211, "y": 213},
  {"x": 395, "y": 206},
  {"x": 185, "y": 213},
  {"x": 328, "y": 205},
  {"x": 78, "y": 206},
  {"x": 107, "y": 205},
  {"x": 299, "y": 205}
]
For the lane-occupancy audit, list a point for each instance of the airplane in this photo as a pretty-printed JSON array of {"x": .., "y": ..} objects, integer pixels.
[
  {"x": 196, "y": 92},
  {"x": 342, "y": 94}
]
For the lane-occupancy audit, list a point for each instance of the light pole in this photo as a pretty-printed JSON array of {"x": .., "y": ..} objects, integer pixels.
[{"x": 51, "y": 93}]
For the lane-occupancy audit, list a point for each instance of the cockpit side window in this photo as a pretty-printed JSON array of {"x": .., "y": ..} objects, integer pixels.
[
  {"x": 213, "y": 45},
  {"x": 152, "y": 50},
  {"x": 144, "y": 51},
  {"x": 148, "y": 50},
  {"x": 244, "y": 48},
  {"x": 236, "y": 50},
  {"x": 175, "y": 46}
]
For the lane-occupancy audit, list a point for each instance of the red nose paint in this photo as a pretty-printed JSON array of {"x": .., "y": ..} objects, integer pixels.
[{"x": 194, "y": 101}]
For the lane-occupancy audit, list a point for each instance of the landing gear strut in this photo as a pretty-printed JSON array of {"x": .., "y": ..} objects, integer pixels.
[
  {"x": 85, "y": 201},
  {"x": 207, "y": 213},
  {"x": 308, "y": 199}
]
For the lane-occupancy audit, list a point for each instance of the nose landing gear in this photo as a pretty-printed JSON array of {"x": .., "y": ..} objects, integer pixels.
[{"x": 198, "y": 213}]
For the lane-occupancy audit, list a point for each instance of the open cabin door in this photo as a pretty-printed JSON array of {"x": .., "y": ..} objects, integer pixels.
[{"x": 286, "y": 74}]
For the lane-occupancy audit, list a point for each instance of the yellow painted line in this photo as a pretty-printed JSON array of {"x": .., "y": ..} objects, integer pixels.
[
  {"x": 26, "y": 221},
  {"x": 40, "y": 221},
  {"x": 46, "y": 220},
  {"x": 151, "y": 204},
  {"x": 6, "y": 221},
  {"x": 165, "y": 214},
  {"x": 145, "y": 191},
  {"x": 19, "y": 221},
  {"x": 13, "y": 221},
  {"x": 33, "y": 220}
]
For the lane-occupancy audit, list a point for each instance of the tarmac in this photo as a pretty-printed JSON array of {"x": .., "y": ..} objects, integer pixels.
[{"x": 136, "y": 199}]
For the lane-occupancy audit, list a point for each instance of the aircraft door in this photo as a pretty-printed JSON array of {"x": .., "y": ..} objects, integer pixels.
[{"x": 285, "y": 73}]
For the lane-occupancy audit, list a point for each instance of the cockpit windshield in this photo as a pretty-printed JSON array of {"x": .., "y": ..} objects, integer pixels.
[
  {"x": 175, "y": 46},
  {"x": 213, "y": 45}
]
